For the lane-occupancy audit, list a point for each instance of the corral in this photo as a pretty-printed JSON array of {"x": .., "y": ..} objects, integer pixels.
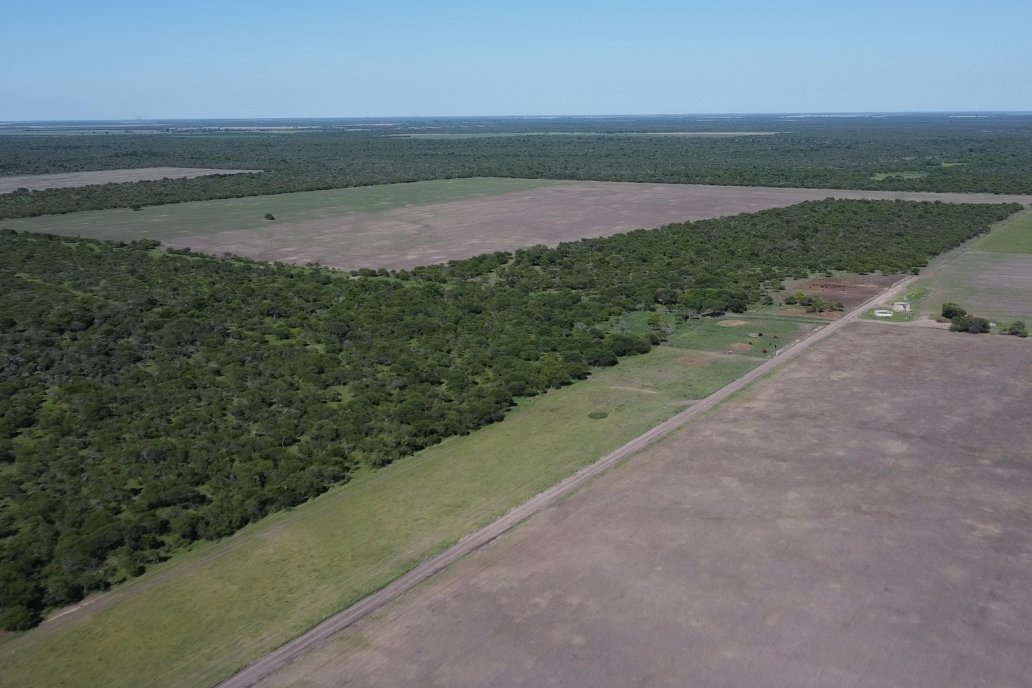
[
  {"x": 853, "y": 520},
  {"x": 422, "y": 223},
  {"x": 57, "y": 181}
]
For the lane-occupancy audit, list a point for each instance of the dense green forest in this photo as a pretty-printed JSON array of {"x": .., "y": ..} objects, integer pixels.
[
  {"x": 149, "y": 399},
  {"x": 922, "y": 153}
]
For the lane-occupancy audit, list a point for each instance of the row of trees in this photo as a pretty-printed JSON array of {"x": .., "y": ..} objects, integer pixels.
[{"x": 149, "y": 399}]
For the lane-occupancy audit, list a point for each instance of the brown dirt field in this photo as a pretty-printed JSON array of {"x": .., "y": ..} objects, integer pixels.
[
  {"x": 851, "y": 291},
  {"x": 434, "y": 233},
  {"x": 57, "y": 181},
  {"x": 732, "y": 323},
  {"x": 755, "y": 548}
]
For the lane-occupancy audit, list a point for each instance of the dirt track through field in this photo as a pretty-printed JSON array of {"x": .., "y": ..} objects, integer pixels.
[
  {"x": 434, "y": 233},
  {"x": 335, "y": 624},
  {"x": 70, "y": 179}
]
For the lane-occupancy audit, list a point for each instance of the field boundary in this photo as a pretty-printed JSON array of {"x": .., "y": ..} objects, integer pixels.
[{"x": 275, "y": 660}]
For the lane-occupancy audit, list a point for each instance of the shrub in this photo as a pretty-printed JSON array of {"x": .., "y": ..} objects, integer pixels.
[
  {"x": 1017, "y": 328},
  {"x": 969, "y": 323},
  {"x": 952, "y": 310}
]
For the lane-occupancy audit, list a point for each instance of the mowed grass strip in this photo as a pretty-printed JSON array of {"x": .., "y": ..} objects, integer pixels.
[
  {"x": 162, "y": 222},
  {"x": 215, "y": 609}
]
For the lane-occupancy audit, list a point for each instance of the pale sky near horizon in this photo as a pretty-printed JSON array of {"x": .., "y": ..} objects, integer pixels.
[{"x": 312, "y": 58}]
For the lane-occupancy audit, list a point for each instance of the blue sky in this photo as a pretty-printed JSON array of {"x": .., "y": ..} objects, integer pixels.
[{"x": 307, "y": 58}]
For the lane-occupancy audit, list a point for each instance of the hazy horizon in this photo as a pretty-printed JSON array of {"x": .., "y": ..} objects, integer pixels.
[{"x": 619, "y": 115}]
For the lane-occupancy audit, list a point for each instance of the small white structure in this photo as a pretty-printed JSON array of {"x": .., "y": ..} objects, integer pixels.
[
  {"x": 902, "y": 306},
  {"x": 882, "y": 313}
]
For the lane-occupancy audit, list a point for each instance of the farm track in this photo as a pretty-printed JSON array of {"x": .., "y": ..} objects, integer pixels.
[{"x": 277, "y": 659}]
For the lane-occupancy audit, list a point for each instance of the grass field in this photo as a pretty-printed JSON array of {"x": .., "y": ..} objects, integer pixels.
[
  {"x": 1012, "y": 236},
  {"x": 882, "y": 176},
  {"x": 777, "y": 332},
  {"x": 992, "y": 279},
  {"x": 217, "y": 607},
  {"x": 206, "y": 217}
]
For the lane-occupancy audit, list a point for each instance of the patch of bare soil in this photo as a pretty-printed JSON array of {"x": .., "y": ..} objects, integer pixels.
[
  {"x": 741, "y": 346},
  {"x": 732, "y": 323},
  {"x": 692, "y": 360},
  {"x": 849, "y": 291},
  {"x": 753, "y": 548},
  {"x": 435, "y": 233}
]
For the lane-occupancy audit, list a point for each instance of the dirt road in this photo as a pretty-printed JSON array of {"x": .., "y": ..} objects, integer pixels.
[{"x": 327, "y": 629}]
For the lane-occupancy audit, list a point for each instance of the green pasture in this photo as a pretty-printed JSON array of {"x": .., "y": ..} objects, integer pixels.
[
  {"x": 1012, "y": 236},
  {"x": 882, "y": 176},
  {"x": 992, "y": 278},
  {"x": 707, "y": 334},
  {"x": 997, "y": 286},
  {"x": 163, "y": 222},
  {"x": 217, "y": 607}
]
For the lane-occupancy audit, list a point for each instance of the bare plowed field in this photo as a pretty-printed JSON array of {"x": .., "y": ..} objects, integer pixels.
[
  {"x": 430, "y": 222},
  {"x": 860, "y": 519},
  {"x": 428, "y": 234},
  {"x": 55, "y": 181}
]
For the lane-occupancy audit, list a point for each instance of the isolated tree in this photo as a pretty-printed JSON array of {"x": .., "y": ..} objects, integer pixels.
[{"x": 952, "y": 310}]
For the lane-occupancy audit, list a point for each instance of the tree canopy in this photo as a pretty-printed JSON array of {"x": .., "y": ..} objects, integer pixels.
[{"x": 151, "y": 398}]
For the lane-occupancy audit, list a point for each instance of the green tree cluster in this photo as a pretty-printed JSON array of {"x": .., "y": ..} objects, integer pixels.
[{"x": 1017, "y": 328}]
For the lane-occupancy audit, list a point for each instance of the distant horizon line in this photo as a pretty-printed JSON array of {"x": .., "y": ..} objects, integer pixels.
[{"x": 799, "y": 114}]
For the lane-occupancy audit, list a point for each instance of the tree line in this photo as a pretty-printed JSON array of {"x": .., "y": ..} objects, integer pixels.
[
  {"x": 152, "y": 398},
  {"x": 936, "y": 153}
]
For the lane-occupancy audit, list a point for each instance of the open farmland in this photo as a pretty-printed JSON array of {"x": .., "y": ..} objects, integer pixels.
[
  {"x": 281, "y": 576},
  {"x": 993, "y": 278},
  {"x": 72, "y": 179},
  {"x": 423, "y": 223},
  {"x": 851, "y": 521}
]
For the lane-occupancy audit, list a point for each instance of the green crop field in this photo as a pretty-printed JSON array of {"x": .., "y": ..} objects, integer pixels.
[
  {"x": 202, "y": 217},
  {"x": 215, "y": 608}
]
